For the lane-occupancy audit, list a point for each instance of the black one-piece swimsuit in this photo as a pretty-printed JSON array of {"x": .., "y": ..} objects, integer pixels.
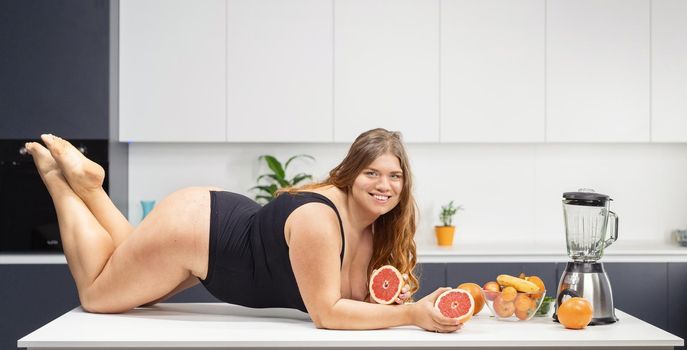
[{"x": 249, "y": 259}]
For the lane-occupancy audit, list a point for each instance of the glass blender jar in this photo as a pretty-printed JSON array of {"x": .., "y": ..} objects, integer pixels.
[
  {"x": 587, "y": 220},
  {"x": 590, "y": 227}
]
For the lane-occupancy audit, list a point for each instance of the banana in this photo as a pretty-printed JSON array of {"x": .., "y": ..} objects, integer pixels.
[{"x": 519, "y": 284}]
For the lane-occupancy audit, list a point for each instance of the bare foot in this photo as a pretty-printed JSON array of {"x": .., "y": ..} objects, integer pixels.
[
  {"x": 83, "y": 174},
  {"x": 45, "y": 163}
]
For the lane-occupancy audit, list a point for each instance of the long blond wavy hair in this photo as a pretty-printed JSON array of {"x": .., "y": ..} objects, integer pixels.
[{"x": 394, "y": 232}]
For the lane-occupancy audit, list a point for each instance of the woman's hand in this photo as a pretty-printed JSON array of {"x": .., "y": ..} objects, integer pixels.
[
  {"x": 425, "y": 316},
  {"x": 402, "y": 298},
  {"x": 405, "y": 294}
]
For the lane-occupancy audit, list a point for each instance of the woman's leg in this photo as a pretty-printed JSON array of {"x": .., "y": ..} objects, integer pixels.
[
  {"x": 86, "y": 178},
  {"x": 166, "y": 250},
  {"x": 165, "y": 254},
  {"x": 86, "y": 244}
]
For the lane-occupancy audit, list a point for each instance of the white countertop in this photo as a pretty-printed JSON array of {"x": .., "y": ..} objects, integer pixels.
[
  {"x": 20, "y": 259},
  {"x": 621, "y": 251},
  {"x": 225, "y": 325}
]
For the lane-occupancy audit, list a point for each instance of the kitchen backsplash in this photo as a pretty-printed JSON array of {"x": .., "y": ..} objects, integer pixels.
[{"x": 510, "y": 192}]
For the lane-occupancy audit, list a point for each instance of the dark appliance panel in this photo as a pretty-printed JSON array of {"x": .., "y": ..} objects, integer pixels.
[{"x": 28, "y": 222}]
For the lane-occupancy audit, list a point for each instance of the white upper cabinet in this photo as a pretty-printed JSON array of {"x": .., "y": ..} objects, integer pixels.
[
  {"x": 598, "y": 70},
  {"x": 172, "y": 70},
  {"x": 386, "y": 68},
  {"x": 669, "y": 71},
  {"x": 279, "y": 70},
  {"x": 492, "y": 71}
]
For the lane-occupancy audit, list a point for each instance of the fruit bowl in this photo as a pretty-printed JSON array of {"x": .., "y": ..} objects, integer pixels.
[{"x": 513, "y": 307}]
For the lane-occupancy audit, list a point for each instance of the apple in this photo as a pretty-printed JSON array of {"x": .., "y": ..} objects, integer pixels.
[{"x": 491, "y": 290}]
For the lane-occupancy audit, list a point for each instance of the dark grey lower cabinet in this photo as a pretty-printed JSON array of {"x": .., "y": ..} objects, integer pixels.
[
  {"x": 195, "y": 294},
  {"x": 677, "y": 299},
  {"x": 431, "y": 276},
  {"x": 32, "y": 295},
  {"x": 641, "y": 290}
]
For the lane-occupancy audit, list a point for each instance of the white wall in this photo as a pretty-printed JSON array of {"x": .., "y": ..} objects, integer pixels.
[{"x": 511, "y": 192}]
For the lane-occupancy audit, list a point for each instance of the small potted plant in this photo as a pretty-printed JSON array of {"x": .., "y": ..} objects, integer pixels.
[
  {"x": 445, "y": 232},
  {"x": 270, "y": 183}
]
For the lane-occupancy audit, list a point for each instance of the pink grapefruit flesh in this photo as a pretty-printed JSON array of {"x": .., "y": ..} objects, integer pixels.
[
  {"x": 456, "y": 303},
  {"x": 385, "y": 284}
]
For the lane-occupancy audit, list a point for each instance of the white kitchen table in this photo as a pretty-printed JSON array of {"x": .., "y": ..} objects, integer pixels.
[{"x": 216, "y": 325}]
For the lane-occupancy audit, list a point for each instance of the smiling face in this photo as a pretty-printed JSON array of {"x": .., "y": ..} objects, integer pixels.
[{"x": 378, "y": 187}]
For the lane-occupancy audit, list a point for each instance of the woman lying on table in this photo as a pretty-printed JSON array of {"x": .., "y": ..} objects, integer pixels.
[{"x": 313, "y": 248}]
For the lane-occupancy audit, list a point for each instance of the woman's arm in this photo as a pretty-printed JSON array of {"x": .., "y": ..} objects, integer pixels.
[
  {"x": 351, "y": 314},
  {"x": 314, "y": 247}
]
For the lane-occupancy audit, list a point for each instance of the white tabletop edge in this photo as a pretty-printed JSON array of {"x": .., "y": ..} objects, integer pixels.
[{"x": 654, "y": 337}]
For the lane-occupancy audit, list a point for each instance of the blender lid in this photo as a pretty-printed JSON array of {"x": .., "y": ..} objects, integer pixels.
[{"x": 587, "y": 195}]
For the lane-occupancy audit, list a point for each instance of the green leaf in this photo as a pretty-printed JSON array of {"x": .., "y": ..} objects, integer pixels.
[
  {"x": 261, "y": 188},
  {"x": 277, "y": 179},
  {"x": 274, "y": 165},
  {"x": 300, "y": 177},
  {"x": 296, "y": 157},
  {"x": 447, "y": 213},
  {"x": 272, "y": 189},
  {"x": 271, "y": 176},
  {"x": 282, "y": 182}
]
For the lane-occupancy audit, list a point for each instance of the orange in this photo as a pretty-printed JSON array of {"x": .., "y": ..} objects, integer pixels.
[
  {"x": 536, "y": 280},
  {"x": 523, "y": 302},
  {"x": 509, "y": 293},
  {"x": 522, "y": 315},
  {"x": 575, "y": 313},
  {"x": 476, "y": 291}
]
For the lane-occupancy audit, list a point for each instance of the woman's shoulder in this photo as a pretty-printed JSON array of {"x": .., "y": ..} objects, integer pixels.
[
  {"x": 330, "y": 192},
  {"x": 309, "y": 201},
  {"x": 313, "y": 218},
  {"x": 314, "y": 206}
]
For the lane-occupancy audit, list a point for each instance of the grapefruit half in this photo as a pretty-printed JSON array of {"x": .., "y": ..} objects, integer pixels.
[
  {"x": 456, "y": 303},
  {"x": 385, "y": 284},
  {"x": 476, "y": 292}
]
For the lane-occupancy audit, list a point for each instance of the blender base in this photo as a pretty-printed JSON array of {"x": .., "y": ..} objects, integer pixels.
[{"x": 587, "y": 280}]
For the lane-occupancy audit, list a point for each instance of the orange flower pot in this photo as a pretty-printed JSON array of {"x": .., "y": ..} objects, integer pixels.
[{"x": 445, "y": 235}]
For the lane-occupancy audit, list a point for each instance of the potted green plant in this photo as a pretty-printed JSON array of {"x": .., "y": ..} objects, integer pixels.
[
  {"x": 276, "y": 179},
  {"x": 446, "y": 231}
]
